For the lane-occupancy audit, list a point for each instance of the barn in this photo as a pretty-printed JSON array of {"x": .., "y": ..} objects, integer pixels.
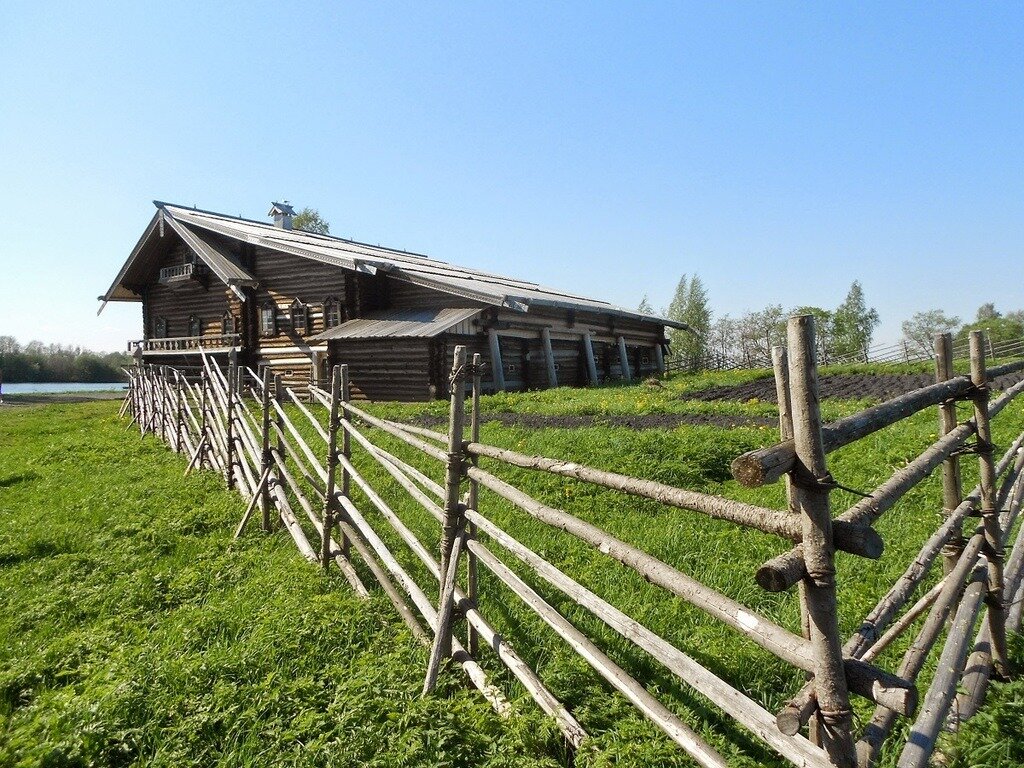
[{"x": 298, "y": 303}]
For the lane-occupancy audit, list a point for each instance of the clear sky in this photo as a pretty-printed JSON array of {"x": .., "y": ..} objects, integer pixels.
[{"x": 779, "y": 150}]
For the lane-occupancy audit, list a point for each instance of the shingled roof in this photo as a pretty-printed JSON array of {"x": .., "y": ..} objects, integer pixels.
[{"x": 486, "y": 287}]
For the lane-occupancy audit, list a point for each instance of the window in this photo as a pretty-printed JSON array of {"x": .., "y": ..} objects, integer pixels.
[
  {"x": 160, "y": 328},
  {"x": 268, "y": 319},
  {"x": 227, "y": 324},
  {"x": 332, "y": 312},
  {"x": 300, "y": 317},
  {"x": 195, "y": 325}
]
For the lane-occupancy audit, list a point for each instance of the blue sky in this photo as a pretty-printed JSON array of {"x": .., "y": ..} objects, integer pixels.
[{"x": 779, "y": 150}]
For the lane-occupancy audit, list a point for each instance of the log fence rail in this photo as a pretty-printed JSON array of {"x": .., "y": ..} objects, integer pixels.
[{"x": 303, "y": 466}]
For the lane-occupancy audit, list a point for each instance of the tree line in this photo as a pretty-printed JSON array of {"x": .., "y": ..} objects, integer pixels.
[
  {"x": 36, "y": 362},
  {"x": 844, "y": 334}
]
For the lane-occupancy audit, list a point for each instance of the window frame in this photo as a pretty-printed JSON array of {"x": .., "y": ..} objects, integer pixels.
[
  {"x": 160, "y": 327},
  {"x": 228, "y": 324},
  {"x": 268, "y": 329},
  {"x": 299, "y": 311},
  {"x": 195, "y": 326},
  {"x": 332, "y": 303}
]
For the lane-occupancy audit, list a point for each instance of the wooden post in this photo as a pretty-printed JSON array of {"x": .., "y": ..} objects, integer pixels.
[
  {"x": 229, "y": 465},
  {"x": 279, "y": 420},
  {"x": 659, "y": 359},
  {"x": 472, "y": 576},
  {"x": 346, "y": 449},
  {"x": 549, "y": 357},
  {"x": 266, "y": 460},
  {"x": 179, "y": 440},
  {"x": 453, "y": 519},
  {"x": 989, "y": 514},
  {"x": 164, "y": 416},
  {"x": 497, "y": 371},
  {"x": 624, "y": 360},
  {"x": 332, "y": 469},
  {"x": 780, "y": 363},
  {"x": 588, "y": 351},
  {"x": 314, "y": 372},
  {"x": 811, "y": 479},
  {"x": 952, "y": 481}
]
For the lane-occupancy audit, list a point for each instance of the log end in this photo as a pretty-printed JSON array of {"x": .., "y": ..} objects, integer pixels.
[
  {"x": 788, "y": 721},
  {"x": 780, "y": 573},
  {"x": 748, "y": 471}
]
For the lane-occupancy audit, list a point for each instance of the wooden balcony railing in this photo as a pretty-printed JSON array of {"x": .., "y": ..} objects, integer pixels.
[
  {"x": 186, "y": 343},
  {"x": 182, "y": 273}
]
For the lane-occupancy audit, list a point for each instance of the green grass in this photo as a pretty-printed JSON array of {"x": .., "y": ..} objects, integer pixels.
[{"x": 133, "y": 633}]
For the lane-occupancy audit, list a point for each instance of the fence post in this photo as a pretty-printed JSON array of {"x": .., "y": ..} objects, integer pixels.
[
  {"x": 266, "y": 458},
  {"x": 346, "y": 447},
  {"x": 179, "y": 443},
  {"x": 164, "y": 404},
  {"x": 229, "y": 465},
  {"x": 332, "y": 469},
  {"x": 812, "y": 481},
  {"x": 989, "y": 513},
  {"x": 452, "y": 525},
  {"x": 205, "y": 425},
  {"x": 952, "y": 481},
  {"x": 278, "y": 419},
  {"x": 472, "y": 577}
]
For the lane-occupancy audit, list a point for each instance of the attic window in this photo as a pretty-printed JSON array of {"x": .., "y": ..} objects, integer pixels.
[
  {"x": 268, "y": 319},
  {"x": 332, "y": 312},
  {"x": 300, "y": 317}
]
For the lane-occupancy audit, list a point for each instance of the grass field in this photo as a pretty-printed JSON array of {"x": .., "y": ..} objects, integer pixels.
[{"x": 133, "y": 633}]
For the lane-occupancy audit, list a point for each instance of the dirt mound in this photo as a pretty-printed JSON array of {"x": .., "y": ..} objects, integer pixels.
[{"x": 841, "y": 386}]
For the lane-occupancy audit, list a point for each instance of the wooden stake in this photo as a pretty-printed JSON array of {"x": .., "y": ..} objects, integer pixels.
[
  {"x": 332, "y": 468},
  {"x": 229, "y": 474},
  {"x": 266, "y": 460},
  {"x": 472, "y": 576},
  {"x": 261, "y": 490},
  {"x": 989, "y": 514},
  {"x": 446, "y": 607},
  {"x": 952, "y": 484},
  {"x": 453, "y": 511},
  {"x": 346, "y": 448},
  {"x": 810, "y": 478}
]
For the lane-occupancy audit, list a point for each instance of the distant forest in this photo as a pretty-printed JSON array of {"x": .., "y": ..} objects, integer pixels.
[{"x": 37, "y": 362}]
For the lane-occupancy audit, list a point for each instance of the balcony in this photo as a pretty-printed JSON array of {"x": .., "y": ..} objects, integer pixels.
[
  {"x": 223, "y": 342},
  {"x": 182, "y": 275}
]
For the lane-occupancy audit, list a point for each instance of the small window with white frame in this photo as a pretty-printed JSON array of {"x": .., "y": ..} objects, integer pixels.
[
  {"x": 268, "y": 319},
  {"x": 300, "y": 317}
]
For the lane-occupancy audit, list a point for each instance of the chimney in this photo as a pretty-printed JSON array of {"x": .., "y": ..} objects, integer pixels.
[{"x": 282, "y": 213}]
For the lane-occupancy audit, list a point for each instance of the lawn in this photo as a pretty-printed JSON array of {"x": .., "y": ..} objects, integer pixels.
[{"x": 134, "y": 632}]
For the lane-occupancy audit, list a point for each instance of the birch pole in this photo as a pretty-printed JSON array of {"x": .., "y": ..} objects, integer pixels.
[
  {"x": 266, "y": 460},
  {"x": 810, "y": 478},
  {"x": 346, "y": 449}
]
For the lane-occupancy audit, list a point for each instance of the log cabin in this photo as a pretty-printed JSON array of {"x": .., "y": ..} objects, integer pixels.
[{"x": 299, "y": 303}]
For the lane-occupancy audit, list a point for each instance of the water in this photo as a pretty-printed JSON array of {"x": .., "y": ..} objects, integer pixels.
[{"x": 11, "y": 388}]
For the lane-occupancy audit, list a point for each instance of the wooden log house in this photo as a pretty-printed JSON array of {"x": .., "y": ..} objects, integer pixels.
[{"x": 300, "y": 302}]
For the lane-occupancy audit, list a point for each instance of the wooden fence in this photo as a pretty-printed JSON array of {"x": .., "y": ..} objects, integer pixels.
[{"x": 252, "y": 430}]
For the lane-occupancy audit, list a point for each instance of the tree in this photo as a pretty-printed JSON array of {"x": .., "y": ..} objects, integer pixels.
[
  {"x": 987, "y": 311},
  {"x": 690, "y": 305},
  {"x": 854, "y": 323},
  {"x": 921, "y": 329},
  {"x": 758, "y": 333},
  {"x": 645, "y": 307},
  {"x": 310, "y": 220}
]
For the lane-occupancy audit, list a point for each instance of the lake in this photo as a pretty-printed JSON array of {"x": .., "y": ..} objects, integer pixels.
[{"x": 13, "y": 388}]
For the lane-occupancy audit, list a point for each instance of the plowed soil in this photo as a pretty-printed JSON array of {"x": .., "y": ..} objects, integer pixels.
[
  {"x": 842, "y": 386},
  {"x": 650, "y": 421}
]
